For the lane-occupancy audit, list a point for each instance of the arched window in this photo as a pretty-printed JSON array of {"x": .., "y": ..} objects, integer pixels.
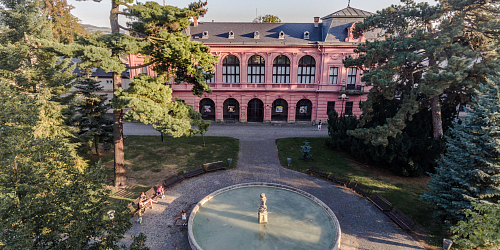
[
  {"x": 307, "y": 68},
  {"x": 281, "y": 69},
  {"x": 256, "y": 69},
  {"x": 231, "y": 69}
]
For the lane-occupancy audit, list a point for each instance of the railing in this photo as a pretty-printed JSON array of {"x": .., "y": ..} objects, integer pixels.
[{"x": 342, "y": 89}]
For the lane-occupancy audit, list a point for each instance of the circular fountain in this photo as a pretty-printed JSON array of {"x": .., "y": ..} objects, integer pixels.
[{"x": 233, "y": 218}]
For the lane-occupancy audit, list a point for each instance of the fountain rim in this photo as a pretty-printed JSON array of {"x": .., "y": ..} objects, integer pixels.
[{"x": 192, "y": 241}]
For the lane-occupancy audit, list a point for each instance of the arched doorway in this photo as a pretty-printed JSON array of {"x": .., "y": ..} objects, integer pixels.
[
  {"x": 231, "y": 110},
  {"x": 280, "y": 110},
  {"x": 303, "y": 110},
  {"x": 255, "y": 110},
  {"x": 207, "y": 109}
]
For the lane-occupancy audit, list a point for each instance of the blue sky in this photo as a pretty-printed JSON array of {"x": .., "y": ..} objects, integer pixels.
[{"x": 290, "y": 11}]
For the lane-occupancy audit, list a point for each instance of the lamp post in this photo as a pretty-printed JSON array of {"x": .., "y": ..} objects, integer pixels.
[{"x": 343, "y": 97}]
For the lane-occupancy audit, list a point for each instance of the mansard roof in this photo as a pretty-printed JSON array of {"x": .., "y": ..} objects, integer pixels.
[
  {"x": 218, "y": 32},
  {"x": 333, "y": 30},
  {"x": 348, "y": 12}
]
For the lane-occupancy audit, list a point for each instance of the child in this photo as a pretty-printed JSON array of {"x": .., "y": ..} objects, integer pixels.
[
  {"x": 161, "y": 191},
  {"x": 319, "y": 125},
  {"x": 139, "y": 212},
  {"x": 184, "y": 218}
]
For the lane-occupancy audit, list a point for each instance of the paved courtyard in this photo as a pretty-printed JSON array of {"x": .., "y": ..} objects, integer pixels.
[{"x": 363, "y": 226}]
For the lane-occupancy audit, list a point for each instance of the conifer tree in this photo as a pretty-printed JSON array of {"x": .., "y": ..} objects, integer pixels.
[
  {"x": 49, "y": 197},
  {"x": 91, "y": 119},
  {"x": 158, "y": 34},
  {"x": 470, "y": 169},
  {"x": 438, "y": 53}
]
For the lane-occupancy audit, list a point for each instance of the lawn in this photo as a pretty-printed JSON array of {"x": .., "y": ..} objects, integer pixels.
[
  {"x": 402, "y": 192},
  {"x": 148, "y": 160}
]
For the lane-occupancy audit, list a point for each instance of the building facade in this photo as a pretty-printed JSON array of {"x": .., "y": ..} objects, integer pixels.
[{"x": 278, "y": 72}]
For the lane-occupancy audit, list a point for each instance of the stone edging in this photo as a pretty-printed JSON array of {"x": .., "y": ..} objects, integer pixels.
[{"x": 194, "y": 245}]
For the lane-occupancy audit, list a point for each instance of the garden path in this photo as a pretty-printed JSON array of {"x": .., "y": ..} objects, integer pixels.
[{"x": 363, "y": 226}]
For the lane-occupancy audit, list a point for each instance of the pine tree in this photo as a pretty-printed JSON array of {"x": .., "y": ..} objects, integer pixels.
[
  {"x": 157, "y": 33},
  {"x": 470, "y": 169},
  {"x": 64, "y": 25},
  {"x": 27, "y": 64},
  {"x": 49, "y": 197},
  {"x": 439, "y": 53},
  {"x": 91, "y": 114}
]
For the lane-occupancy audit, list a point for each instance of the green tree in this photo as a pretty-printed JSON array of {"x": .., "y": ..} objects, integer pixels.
[
  {"x": 482, "y": 227},
  {"x": 267, "y": 19},
  {"x": 157, "y": 33},
  {"x": 438, "y": 53},
  {"x": 64, "y": 25},
  {"x": 469, "y": 171},
  {"x": 90, "y": 118},
  {"x": 26, "y": 63},
  {"x": 49, "y": 197}
]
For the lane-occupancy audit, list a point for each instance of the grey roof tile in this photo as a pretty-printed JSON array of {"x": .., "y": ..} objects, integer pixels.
[
  {"x": 348, "y": 12},
  {"x": 218, "y": 32}
]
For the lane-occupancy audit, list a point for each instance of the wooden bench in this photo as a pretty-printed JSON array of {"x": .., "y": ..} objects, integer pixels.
[
  {"x": 214, "y": 166},
  {"x": 380, "y": 202},
  {"x": 401, "y": 219},
  {"x": 194, "y": 172},
  {"x": 319, "y": 172},
  {"x": 361, "y": 189},
  {"x": 172, "y": 180}
]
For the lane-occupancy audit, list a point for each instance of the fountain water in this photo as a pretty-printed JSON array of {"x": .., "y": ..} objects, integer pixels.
[{"x": 291, "y": 219}]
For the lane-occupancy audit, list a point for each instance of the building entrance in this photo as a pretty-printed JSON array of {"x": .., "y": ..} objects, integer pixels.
[
  {"x": 255, "y": 110},
  {"x": 207, "y": 109},
  {"x": 303, "y": 110},
  {"x": 231, "y": 110}
]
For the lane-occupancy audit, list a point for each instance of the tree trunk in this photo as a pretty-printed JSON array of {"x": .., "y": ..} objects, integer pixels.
[
  {"x": 96, "y": 144},
  {"x": 437, "y": 122},
  {"x": 120, "y": 178}
]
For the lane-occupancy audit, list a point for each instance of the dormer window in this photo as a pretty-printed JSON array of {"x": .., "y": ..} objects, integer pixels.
[
  {"x": 205, "y": 35},
  {"x": 306, "y": 35},
  {"x": 282, "y": 35},
  {"x": 231, "y": 35},
  {"x": 256, "y": 35}
]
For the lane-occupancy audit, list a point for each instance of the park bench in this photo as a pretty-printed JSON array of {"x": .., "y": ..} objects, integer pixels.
[
  {"x": 380, "y": 202},
  {"x": 318, "y": 171},
  {"x": 361, "y": 189},
  {"x": 194, "y": 172},
  {"x": 172, "y": 180},
  {"x": 150, "y": 194},
  {"x": 214, "y": 166},
  {"x": 401, "y": 219}
]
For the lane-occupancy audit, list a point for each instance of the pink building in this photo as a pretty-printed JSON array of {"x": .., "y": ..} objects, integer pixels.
[{"x": 278, "y": 72}]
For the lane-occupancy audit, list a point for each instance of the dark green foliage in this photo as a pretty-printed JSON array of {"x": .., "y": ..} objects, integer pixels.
[
  {"x": 411, "y": 153},
  {"x": 429, "y": 55},
  {"x": 94, "y": 125},
  {"x": 482, "y": 227},
  {"x": 306, "y": 152},
  {"x": 469, "y": 171},
  {"x": 49, "y": 198}
]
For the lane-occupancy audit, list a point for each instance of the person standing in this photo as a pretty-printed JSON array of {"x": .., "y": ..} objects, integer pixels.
[{"x": 319, "y": 125}]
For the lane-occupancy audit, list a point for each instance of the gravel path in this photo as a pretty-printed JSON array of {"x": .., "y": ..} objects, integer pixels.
[{"x": 363, "y": 226}]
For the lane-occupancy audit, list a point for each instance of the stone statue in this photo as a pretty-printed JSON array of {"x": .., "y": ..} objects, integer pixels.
[{"x": 263, "y": 209}]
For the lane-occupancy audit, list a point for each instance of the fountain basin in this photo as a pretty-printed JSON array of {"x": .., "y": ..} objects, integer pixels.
[{"x": 228, "y": 219}]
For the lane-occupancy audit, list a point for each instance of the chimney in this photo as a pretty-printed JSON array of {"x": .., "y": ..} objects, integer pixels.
[
  {"x": 195, "y": 21},
  {"x": 316, "y": 21}
]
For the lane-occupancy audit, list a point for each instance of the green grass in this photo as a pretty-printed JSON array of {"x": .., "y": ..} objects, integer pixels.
[
  {"x": 402, "y": 192},
  {"x": 148, "y": 160}
]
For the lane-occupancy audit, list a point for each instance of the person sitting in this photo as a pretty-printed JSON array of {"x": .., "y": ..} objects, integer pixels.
[
  {"x": 161, "y": 191},
  {"x": 145, "y": 200}
]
